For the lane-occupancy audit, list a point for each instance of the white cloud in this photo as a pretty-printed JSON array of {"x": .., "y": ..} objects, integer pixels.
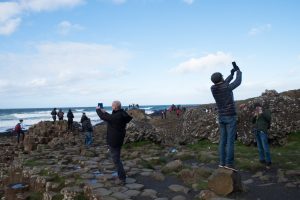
[
  {"x": 202, "y": 63},
  {"x": 11, "y": 12},
  {"x": 48, "y": 5},
  {"x": 9, "y": 26},
  {"x": 188, "y": 1},
  {"x": 65, "y": 27},
  {"x": 58, "y": 67},
  {"x": 260, "y": 29}
]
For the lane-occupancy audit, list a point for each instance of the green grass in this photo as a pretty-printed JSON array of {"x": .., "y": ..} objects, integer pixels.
[
  {"x": 80, "y": 197},
  {"x": 288, "y": 157},
  {"x": 146, "y": 164},
  {"x": 203, "y": 145},
  {"x": 35, "y": 196},
  {"x": 246, "y": 157},
  {"x": 32, "y": 163},
  {"x": 202, "y": 185},
  {"x": 136, "y": 144},
  {"x": 44, "y": 172},
  {"x": 58, "y": 197}
]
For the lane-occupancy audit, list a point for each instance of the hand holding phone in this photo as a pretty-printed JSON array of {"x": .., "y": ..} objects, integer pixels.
[
  {"x": 235, "y": 67},
  {"x": 100, "y": 105}
]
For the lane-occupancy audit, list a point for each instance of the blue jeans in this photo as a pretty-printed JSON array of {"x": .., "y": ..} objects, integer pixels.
[
  {"x": 88, "y": 138},
  {"x": 263, "y": 146},
  {"x": 227, "y": 138},
  {"x": 116, "y": 157}
]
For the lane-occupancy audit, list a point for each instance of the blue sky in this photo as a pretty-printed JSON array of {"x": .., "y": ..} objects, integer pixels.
[{"x": 79, "y": 52}]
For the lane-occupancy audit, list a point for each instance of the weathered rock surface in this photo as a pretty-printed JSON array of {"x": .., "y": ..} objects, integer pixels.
[{"x": 224, "y": 182}]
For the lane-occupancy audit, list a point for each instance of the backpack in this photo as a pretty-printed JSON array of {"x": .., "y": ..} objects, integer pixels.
[{"x": 18, "y": 128}]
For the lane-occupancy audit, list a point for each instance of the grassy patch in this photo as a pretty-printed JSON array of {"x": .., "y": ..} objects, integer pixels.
[
  {"x": 32, "y": 163},
  {"x": 78, "y": 179},
  {"x": 246, "y": 157},
  {"x": 202, "y": 185},
  {"x": 35, "y": 196},
  {"x": 146, "y": 164},
  {"x": 44, "y": 172},
  {"x": 58, "y": 197},
  {"x": 80, "y": 197},
  {"x": 288, "y": 156},
  {"x": 136, "y": 144},
  {"x": 203, "y": 145}
]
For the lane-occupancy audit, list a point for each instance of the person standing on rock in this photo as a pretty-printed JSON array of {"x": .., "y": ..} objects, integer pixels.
[
  {"x": 60, "y": 115},
  {"x": 116, "y": 130},
  {"x": 262, "y": 122},
  {"x": 19, "y": 129},
  {"x": 222, "y": 91},
  {"x": 54, "y": 113},
  {"x": 87, "y": 128},
  {"x": 70, "y": 117}
]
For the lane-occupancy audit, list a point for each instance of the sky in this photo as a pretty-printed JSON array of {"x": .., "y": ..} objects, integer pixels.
[{"x": 65, "y": 53}]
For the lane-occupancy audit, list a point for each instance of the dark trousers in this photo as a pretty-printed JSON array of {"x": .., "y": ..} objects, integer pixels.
[
  {"x": 116, "y": 154},
  {"x": 70, "y": 125},
  {"x": 19, "y": 134}
]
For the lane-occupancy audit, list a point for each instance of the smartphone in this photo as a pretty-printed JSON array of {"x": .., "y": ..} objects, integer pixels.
[
  {"x": 234, "y": 65},
  {"x": 100, "y": 105}
]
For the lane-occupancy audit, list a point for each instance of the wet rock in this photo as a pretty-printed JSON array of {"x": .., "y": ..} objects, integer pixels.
[
  {"x": 119, "y": 195},
  {"x": 179, "y": 188},
  {"x": 290, "y": 185},
  {"x": 193, "y": 176},
  {"x": 206, "y": 195},
  {"x": 158, "y": 176},
  {"x": 179, "y": 197},
  {"x": 132, "y": 193},
  {"x": 149, "y": 193},
  {"x": 224, "y": 182},
  {"x": 71, "y": 192},
  {"x": 173, "y": 166},
  {"x": 134, "y": 186}
]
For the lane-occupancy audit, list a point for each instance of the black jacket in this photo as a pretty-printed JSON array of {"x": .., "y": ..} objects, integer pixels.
[
  {"x": 70, "y": 116},
  {"x": 86, "y": 124},
  {"x": 224, "y": 96},
  {"x": 262, "y": 122},
  {"x": 116, "y": 126}
]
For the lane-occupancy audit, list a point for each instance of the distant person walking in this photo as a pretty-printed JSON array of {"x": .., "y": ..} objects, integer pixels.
[
  {"x": 262, "y": 122},
  {"x": 60, "y": 115},
  {"x": 70, "y": 117},
  {"x": 116, "y": 130},
  {"x": 19, "y": 129},
  {"x": 87, "y": 128},
  {"x": 54, "y": 113},
  {"x": 222, "y": 91},
  {"x": 178, "y": 112}
]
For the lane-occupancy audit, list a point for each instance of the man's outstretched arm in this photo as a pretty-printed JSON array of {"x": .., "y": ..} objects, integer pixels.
[{"x": 237, "y": 81}]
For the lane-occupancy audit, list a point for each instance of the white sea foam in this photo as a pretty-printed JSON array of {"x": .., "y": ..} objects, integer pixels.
[{"x": 9, "y": 118}]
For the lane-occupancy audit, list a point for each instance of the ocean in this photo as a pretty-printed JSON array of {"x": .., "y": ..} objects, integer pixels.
[{"x": 10, "y": 117}]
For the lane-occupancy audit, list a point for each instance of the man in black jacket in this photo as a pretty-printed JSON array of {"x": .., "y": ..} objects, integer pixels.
[
  {"x": 70, "y": 117},
  {"x": 223, "y": 95},
  {"x": 116, "y": 130}
]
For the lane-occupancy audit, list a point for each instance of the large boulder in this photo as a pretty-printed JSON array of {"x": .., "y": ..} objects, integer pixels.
[
  {"x": 225, "y": 181},
  {"x": 46, "y": 132},
  {"x": 202, "y": 122},
  {"x": 137, "y": 114}
]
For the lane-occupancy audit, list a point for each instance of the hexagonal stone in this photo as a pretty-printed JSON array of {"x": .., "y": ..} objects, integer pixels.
[
  {"x": 135, "y": 186},
  {"x": 132, "y": 193}
]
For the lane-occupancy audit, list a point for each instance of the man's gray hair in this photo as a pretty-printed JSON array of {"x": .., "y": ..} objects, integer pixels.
[{"x": 118, "y": 104}]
